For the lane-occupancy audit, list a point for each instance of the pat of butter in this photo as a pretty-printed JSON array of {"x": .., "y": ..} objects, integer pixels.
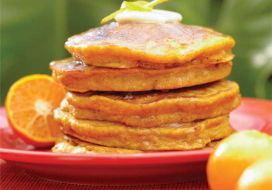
[{"x": 156, "y": 16}]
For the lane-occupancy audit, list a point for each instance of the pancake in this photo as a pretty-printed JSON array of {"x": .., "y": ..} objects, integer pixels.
[
  {"x": 72, "y": 145},
  {"x": 212, "y": 97},
  {"x": 151, "y": 109},
  {"x": 148, "y": 45},
  {"x": 77, "y": 77},
  {"x": 177, "y": 136},
  {"x": 147, "y": 121},
  {"x": 76, "y": 146},
  {"x": 105, "y": 61}
]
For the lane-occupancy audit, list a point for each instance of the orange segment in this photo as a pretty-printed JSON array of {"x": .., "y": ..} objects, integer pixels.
[{"x": 29, "y": 104}]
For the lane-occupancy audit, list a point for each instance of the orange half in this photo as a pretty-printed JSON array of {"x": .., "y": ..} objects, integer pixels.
[{"x": 30, "y": 104}]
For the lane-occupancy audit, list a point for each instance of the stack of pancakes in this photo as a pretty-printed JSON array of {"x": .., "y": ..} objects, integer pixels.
[{"x": 145, "y": 87}]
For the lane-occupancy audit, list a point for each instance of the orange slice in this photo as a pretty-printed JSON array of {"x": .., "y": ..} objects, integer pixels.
[{"x": 29, "y": 104}]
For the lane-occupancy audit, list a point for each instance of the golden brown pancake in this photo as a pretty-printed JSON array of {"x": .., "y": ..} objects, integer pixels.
[
  {"x": 148, "y": 45},
  {"x": 177, "y": 136},
  {"x": 105, "y": 61},
  {"x": 76, "y": 146},
  {"x": 151, "y": 109},
  {"x": 197, "y": 99},
  {"x": 77, "y": 77},
  {"x": 147, "y": 121}
]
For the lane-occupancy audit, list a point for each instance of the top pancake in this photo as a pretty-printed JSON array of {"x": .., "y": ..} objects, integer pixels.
[{"x": 149, "y": 45}]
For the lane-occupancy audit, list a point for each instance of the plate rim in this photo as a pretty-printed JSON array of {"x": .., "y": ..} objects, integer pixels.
[{"x": 103, "y": 159}]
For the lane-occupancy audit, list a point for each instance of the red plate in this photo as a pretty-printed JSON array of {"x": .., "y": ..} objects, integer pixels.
[{"x": 128, "y": 169}]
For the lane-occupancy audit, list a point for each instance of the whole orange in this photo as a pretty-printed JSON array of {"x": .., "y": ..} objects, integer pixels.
[
  {"x": 258, "y": 176},
  {"x": 233, "y": 155}
]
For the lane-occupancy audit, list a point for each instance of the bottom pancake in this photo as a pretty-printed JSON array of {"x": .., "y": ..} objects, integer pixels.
[
  {"x": 178, "y": 136},
  {"x": 76, "y": 146}
]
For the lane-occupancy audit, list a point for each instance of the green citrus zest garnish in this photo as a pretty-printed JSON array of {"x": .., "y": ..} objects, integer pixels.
[{"x": 142, "y": 6}]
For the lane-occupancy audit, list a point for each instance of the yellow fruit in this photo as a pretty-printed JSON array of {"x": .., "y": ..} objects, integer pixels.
[
  {"x": 233, "y": 155},
  {"x": 258, "y": 176}
]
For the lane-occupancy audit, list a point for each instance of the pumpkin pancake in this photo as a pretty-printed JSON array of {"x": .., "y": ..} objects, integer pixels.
[
  {"x": 69, "y": 144},
  {"x": 148, "y": 121},
  {"x": 177, "y": 136},
  {"x": 104, "y": 61},
  {"x": 76, "y": 146},
  {"x": 198, "y": 99},
  {"x": 151, "y": 109},
  {"x": 149, "y": 45},
  {"x": 77, "y": 77}
]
